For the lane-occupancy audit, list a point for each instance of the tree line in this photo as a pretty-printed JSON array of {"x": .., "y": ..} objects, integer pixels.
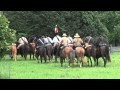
[{"x": 30, "y": 23}]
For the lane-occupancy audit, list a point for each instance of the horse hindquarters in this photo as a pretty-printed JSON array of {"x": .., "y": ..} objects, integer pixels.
[
  {"x": 13, "y": 52},
  {"x": 80, "y": 55},
  {"x": 49, "y": 52},
  {"x": 71, "y": 56}
]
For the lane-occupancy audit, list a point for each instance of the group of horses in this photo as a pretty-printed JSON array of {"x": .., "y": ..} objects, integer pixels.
[{"x": 67, "y": 53}]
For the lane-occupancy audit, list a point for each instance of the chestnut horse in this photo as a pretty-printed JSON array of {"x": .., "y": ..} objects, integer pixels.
[
  {"x": 80, "y": 51},
  {"x": 67, "y": 53},
  {"x": 13, "y": 51},
  {"x": 32, "y": 49}
]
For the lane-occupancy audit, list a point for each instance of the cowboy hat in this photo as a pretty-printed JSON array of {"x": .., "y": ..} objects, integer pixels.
[
  {"x": 64, "y": 35},
  {"x": 76, "y": 35}
]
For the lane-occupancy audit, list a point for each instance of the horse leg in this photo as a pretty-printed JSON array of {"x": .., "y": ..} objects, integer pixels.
[
  {"x": 104, "y": 61},
  {"x": 55, "y": 59},
  {"x": 90, "y": 61},
  {"x": 30, "y": 56},
  {"x": 61, "y": 61},
  {"x": 45, "y": 56},
  {"x": 41, "y": 58},
  {"x": 82, "y": 58},
  {"x": 33, "y": 55},
  {"x": 97, "y": 61}
]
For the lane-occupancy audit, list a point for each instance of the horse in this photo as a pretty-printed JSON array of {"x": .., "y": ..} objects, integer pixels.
[
  {"x": 13, "y": 51},
  {"x": 23, "y": 50},
  {"x": 67, "y": 53},
  {"x": 56, "y": 51},
  {"x": 41, "y": 51},
  {"x": 89, "y": 47},
  {"x": 32, "y": 49},
  {"x": 79, "y": 51},
  {"x": 49, "y": 51},
  {"x": 103, "y": 51}
]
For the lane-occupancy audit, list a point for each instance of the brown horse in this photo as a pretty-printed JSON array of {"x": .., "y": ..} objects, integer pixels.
[
  {"x": 67, "y": 53},
  {"x": 13, "y": 51},
  {"x": 89, "y": 49},
  {"x": 90, "y": 53},
  {"x": 32, "y": 49},
  {"x": 79, "y": 51}
]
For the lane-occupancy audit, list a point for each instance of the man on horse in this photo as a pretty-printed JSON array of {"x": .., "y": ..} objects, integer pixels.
[
  {"x": 100, "y": 41},
  {"x": 39, "y": 42},
  {"x": 23, "y": 40},
  {"x": 77, "y": 41},
  {"x": 56, "y": 39},
  {"x": 70, "y": 40},
  {"x": 56, "y": 42},
  {"x": 64, "y": 41}
]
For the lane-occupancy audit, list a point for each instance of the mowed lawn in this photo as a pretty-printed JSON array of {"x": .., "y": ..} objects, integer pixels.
[{"x": 30, "y": 69}]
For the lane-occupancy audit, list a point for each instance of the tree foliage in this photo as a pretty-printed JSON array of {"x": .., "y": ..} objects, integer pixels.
[
  {"x": 7, "y": 35},
  {"x": 106, "y": 23}
]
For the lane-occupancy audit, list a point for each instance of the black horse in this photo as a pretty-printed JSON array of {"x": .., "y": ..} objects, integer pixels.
[
  {"x": 23, "y": 50},
  {"x": 49, "y": 51},
  {"x": 103, "y": 51},
  {"x": 56, "y": 50}
]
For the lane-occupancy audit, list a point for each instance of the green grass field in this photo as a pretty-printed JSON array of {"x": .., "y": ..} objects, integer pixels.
[{"x": 30, "y": 69}]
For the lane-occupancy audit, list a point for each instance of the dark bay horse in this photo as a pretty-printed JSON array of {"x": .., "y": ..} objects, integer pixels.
[
  {"x": 67, "y": 53},
  {"x": 89, "y": 49},
  {"x": 56, "y": 51},
  {"x": 32, "y": 49},
  {"x": 32, "y": 46},
  {"x": 103, "y": 52},
  {"x": 23, "y": 50},
  {"x": 49, "y": 51},
  {"x": 41, "y": 51}
]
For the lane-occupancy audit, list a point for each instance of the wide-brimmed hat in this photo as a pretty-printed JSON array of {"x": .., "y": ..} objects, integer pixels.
[
  {"x": 76, "y": 35},
  {"x": 64, "y": 35}
]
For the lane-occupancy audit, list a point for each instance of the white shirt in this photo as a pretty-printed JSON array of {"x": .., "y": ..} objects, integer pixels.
[
  {"x": 51, "y": 41},
  {"x": 70, "y": 40},
  {"x": 56, "y": 39},
  {"x": 22, "y": 40}
]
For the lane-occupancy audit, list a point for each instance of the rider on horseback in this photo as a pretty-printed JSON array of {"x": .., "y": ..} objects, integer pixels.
[
  {"x": 77, "y": 41},
  {"x": 22, "y": 41},
  {"x": 64, "y": 41},
  {"x": 101, "y": 41}
]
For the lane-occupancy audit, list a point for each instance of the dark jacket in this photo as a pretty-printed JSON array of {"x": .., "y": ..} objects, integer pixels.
[{"x": 40, "y": 42}]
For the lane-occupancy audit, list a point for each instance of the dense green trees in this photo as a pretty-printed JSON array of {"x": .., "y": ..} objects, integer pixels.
[
  {"x": 40, "y": 22},
  {"x": 7, "y": 35}
]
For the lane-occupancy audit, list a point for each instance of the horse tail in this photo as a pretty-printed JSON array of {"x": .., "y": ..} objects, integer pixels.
[
  {"x": 72, "y": 54},
  {"x": 107, "y": 53},
  {"x": 93, "y": 52}
]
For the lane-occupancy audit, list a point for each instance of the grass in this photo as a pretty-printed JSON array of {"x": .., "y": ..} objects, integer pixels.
[{"x": 30, "y": 69}]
